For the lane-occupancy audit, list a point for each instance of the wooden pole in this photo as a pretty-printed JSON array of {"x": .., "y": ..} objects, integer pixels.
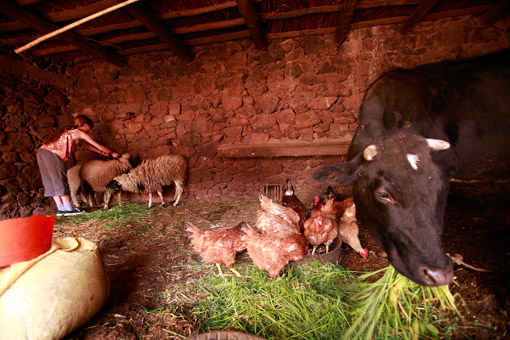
[{"x": 72, "y": 25}]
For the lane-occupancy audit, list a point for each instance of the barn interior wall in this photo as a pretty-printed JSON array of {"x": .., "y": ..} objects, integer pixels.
[{"x": 303, "y": 89}]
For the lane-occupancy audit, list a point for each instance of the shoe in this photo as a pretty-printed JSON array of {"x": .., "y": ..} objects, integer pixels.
[
  {"x": 73, "y": 212},
  {"x": 60, "y": 213}
]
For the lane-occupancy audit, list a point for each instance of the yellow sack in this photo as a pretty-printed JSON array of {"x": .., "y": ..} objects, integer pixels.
[{"x": 52, "y": 295}]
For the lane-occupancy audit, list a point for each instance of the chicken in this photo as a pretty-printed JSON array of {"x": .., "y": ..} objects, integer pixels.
[
  {"x": 320, "y": 230},
  {"x": 349, "y": 231},
  {"x": 272, "y": 252},
  {"x": 331, "y": 193},
  {"x": 290, "y": 200},
  {"x": 274, "y": 218},
  {"x": 317, "y": 206},
  {"x": 335, "y": 209},
  {"x": 218, "y": 245}
]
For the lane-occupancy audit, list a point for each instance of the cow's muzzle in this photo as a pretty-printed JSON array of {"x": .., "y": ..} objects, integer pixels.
[{"x": 435, "y": 276}]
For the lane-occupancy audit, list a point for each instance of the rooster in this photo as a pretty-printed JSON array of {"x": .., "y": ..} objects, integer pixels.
[
  {"x": 290, "y": 200},
  {"x": 321, "y": 230},
  {"x": 349, "y": 231},
  {"x": 218, "y": 245},
  {"x": 275, "y": 218},
  {"x": 272, "y": 252}
]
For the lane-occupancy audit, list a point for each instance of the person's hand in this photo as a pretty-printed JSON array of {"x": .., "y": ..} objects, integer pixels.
[{"x": 115, "y": 155}]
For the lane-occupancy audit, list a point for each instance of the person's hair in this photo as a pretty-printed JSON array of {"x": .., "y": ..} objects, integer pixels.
[{"x": 79, "y": 121}]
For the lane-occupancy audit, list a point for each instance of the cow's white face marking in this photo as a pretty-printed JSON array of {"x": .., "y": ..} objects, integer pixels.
[{"x": 413, "y": 160}]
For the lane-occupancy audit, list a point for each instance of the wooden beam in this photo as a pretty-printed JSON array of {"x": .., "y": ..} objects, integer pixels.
[
  {"x": 496, "y": 12},
  {"x": 14, "y": 11},
  {"x": 344, "y": 21},
  {"x": 15, "y": 67},
  {"x": 249, "y": 14},
  {"x": 422, "y": 10},
  {"x": 150, "y": 21},
  {"x": 283, "y": 149}
]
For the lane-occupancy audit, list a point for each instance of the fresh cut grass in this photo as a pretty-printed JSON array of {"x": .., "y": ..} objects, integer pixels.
[{"x": 327, "y": 302}]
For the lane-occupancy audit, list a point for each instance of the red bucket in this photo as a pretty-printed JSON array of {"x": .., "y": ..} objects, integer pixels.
[{"x": 22, "y": 239}]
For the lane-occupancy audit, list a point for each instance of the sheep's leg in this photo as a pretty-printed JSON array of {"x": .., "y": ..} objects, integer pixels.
[
  {"x": 74, "y": 198},
  {"x": 107, "y": 196},
  {"x": 89, "y": 200},
  {"x": 83, "y": 197},
  {"x": 160, "y": 193},
  {"x": 178, "y": 192},
  {"x": 119, "y": 198}
]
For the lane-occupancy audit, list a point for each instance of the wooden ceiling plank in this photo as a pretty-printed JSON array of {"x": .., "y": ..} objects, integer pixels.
[
  {"x": 198, "y": 11},
  {"x": 345, "y": 19},
  {"x": 249, "y": 14},
  {"x": 14, "y": 11},
  {"x": 422, "y": 10},
  {"x": 150, "y": 21},
  {"x": 210, "y": 26}
]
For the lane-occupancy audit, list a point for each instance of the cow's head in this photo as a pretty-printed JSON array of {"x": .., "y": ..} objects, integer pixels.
[{"x": 400, "y": 196}]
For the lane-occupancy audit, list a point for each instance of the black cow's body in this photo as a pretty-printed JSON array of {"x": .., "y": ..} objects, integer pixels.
[{"x": 400, "y": 163}]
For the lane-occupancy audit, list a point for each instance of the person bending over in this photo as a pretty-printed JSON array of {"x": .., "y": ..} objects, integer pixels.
[{"x": 57, "y": 148}]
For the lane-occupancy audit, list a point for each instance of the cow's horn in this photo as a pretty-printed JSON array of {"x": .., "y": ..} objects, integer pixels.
[
  {"x": 370, "y": 152},
  {"x": 438, "y": 144}
]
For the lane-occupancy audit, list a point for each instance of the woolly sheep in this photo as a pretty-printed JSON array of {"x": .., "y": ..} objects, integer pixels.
[
  {"x": 96, "y": 174},
  {"x": 73, "y": 178},
  {"x": 151, "y": 175}
]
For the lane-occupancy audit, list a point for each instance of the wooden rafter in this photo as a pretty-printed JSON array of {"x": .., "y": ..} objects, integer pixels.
[
  {"x": 345, "y": 19},
  {"x": 150, "y": 21},
  {"x": 16, "y": 12},
  {"x": 496, "y": 12},
  {"x": 251, "y": 18},
  {"x": 422, "y": 10},
  {"x": 15, "y": 67}
]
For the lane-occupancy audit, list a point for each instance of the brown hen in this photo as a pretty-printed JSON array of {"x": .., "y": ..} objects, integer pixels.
[
  {"x": 218, "y": 245},
  {"x": 349, "y": 231},
  {"x": 335, "y": 209},
  {"x": 272, "y": 252},
  {"x": 317, "y": 206},
  {"x": 275, "y": 218},
  {"x": 320, "y": 230},
  {"x": 290, "y": 200}
]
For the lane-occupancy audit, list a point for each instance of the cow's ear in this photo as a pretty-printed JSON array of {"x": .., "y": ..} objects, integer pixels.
[{"x": 344, "y": 173}]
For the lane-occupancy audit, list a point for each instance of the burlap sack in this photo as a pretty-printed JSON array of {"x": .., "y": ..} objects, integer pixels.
[{"x": 53, "y": 294}]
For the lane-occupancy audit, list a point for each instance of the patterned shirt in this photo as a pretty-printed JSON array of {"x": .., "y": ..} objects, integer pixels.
[{"x": 64, "y": 146}]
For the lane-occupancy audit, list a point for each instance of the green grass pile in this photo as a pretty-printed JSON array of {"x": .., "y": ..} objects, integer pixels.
[
  {"x": 327, "y": 302},
  {"x": 117, "y": 213}
]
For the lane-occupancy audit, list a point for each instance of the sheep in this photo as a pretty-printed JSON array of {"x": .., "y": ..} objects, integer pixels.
[
  {"x": 151, "y": 175},
  {"x": 96, "y": 174},
  {"x": 73, "y": 178}
]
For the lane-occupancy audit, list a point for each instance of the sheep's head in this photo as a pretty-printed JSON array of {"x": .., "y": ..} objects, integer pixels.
[{"x": 113, "y": 185}]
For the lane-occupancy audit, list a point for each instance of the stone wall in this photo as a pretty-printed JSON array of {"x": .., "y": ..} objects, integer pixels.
[
  {"x": 29, "y": 111},
  {"x": 305, "y": 89}
]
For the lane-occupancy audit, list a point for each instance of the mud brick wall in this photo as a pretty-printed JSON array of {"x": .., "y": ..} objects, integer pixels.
[{"x": 301, "y": 90}]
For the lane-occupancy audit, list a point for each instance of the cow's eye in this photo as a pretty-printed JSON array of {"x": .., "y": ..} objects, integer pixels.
[{"x": 384, "y": 196}]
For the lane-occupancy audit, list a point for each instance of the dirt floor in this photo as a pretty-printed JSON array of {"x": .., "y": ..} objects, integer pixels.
[{"x": 151, "y": 265}]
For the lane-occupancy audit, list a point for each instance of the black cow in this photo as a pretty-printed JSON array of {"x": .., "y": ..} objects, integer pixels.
[{"x": 418, "y": 128}]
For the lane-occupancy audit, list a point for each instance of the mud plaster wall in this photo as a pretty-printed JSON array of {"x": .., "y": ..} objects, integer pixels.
[{"x": 301, "y": 89}]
